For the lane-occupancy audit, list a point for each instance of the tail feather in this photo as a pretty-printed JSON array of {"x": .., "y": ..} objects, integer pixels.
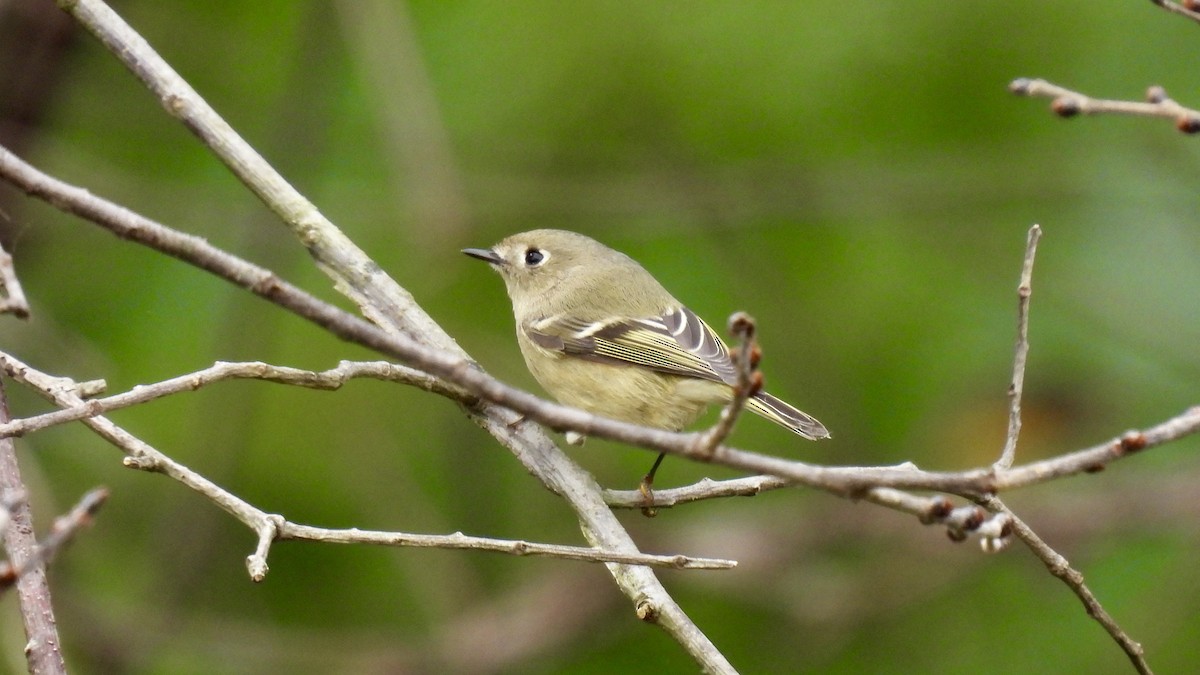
[{"x": 787, "y": 416}]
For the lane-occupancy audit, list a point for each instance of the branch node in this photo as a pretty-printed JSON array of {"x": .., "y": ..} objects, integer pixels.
[
  {"x": 1065, "y": 106},
  {"x": 90, "y": 388},
  {"x": 1188, "y": 124},
  {"x": 939, "y": 508},
  {"x": 1020, "y": 86},
  {"x": 1132, "y": 441},
  {"x": 268, "y": 531},
  {"x": 142, "y": 462},
  {"x": 646, "y": 611}
]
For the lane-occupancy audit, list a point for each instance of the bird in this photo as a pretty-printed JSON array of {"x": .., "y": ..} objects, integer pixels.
[{"x": 600, "y": 333}]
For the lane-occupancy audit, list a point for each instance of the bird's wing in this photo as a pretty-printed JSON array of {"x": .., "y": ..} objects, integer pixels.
[{"x": 678, "y": 343}]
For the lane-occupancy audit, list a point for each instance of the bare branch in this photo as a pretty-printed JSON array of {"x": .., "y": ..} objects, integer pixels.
[
  {"x": 330, "y": 379},
  {"x": 267, "y": 529},
  {"x": 706, "y": 488},
  {"x": 1024, "y": 290},
  {"x": 1176, "y": 8},
  {"x": 961, "y": 522},
  {"x": 459, "y": 540},
  {"x": 43, "y": 651},
  {"x": 1061, "y": 568},
  {"x": 1068, "y": 103},
  {"x": 64, "y": 530},
  {"x": 14, "y": 301}
]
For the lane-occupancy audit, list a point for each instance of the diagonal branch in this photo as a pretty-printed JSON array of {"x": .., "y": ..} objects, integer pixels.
[{"x": 1061, "y": 568}]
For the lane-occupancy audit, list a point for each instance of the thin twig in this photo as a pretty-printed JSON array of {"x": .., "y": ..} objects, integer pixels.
[
  {"x": 749, "y": 382},
  {"x": 1061, "y": 568},
  {"x": 961, "y": 522},
  {"x": 1069, "y": 103},
  {"x": 330, "y": 379},
  {"x": 14, "y": 301},
  {"x": 1017, "y": 387},
  {"x": 459, "y": 540},
  {"x": 1179, "y": 9},
  {"x": 704, "y": 489},
  {"x": 64, "y": 530}
]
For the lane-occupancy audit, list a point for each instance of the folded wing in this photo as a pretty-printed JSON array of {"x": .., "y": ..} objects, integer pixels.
[{"x": 678, "y": 343}]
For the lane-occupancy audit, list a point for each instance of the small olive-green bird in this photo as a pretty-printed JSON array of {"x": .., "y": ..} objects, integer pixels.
[{"x": 599, "y": 333}]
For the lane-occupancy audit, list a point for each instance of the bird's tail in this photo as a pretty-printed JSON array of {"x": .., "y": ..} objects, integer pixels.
[{"x": 786, "y": 416}]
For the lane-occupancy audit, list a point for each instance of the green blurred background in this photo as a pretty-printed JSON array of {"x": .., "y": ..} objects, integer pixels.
[{"x": 856, "y": 176}]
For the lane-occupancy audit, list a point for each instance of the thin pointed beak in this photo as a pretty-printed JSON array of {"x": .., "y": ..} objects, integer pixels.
[{"x": 485, "y": 254}]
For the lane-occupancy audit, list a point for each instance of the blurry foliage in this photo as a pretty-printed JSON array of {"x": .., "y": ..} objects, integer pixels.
[{"x": 855, "y": 176}]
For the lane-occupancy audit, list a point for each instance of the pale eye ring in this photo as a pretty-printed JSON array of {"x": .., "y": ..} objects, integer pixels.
[{"x": 535, "y": 257}]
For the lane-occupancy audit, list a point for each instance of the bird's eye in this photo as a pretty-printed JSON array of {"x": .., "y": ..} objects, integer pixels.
[{"x": 534, "y": 257}]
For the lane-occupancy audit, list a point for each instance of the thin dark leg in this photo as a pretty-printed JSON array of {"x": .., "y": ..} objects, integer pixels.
[{"x": 647, "y": 482}]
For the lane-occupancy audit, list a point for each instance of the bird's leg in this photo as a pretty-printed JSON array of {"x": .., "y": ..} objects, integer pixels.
[{"x": 644, "y": 487}]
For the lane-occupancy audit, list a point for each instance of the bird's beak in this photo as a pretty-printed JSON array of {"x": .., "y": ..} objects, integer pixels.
[{"x": 485, "y": 254}]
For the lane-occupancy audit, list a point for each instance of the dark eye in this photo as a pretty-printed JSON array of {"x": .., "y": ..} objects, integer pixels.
[{"x": 534, "y": 257}]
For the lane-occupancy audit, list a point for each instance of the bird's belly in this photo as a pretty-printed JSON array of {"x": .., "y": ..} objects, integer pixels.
[{"x": 627, "y": 393}]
